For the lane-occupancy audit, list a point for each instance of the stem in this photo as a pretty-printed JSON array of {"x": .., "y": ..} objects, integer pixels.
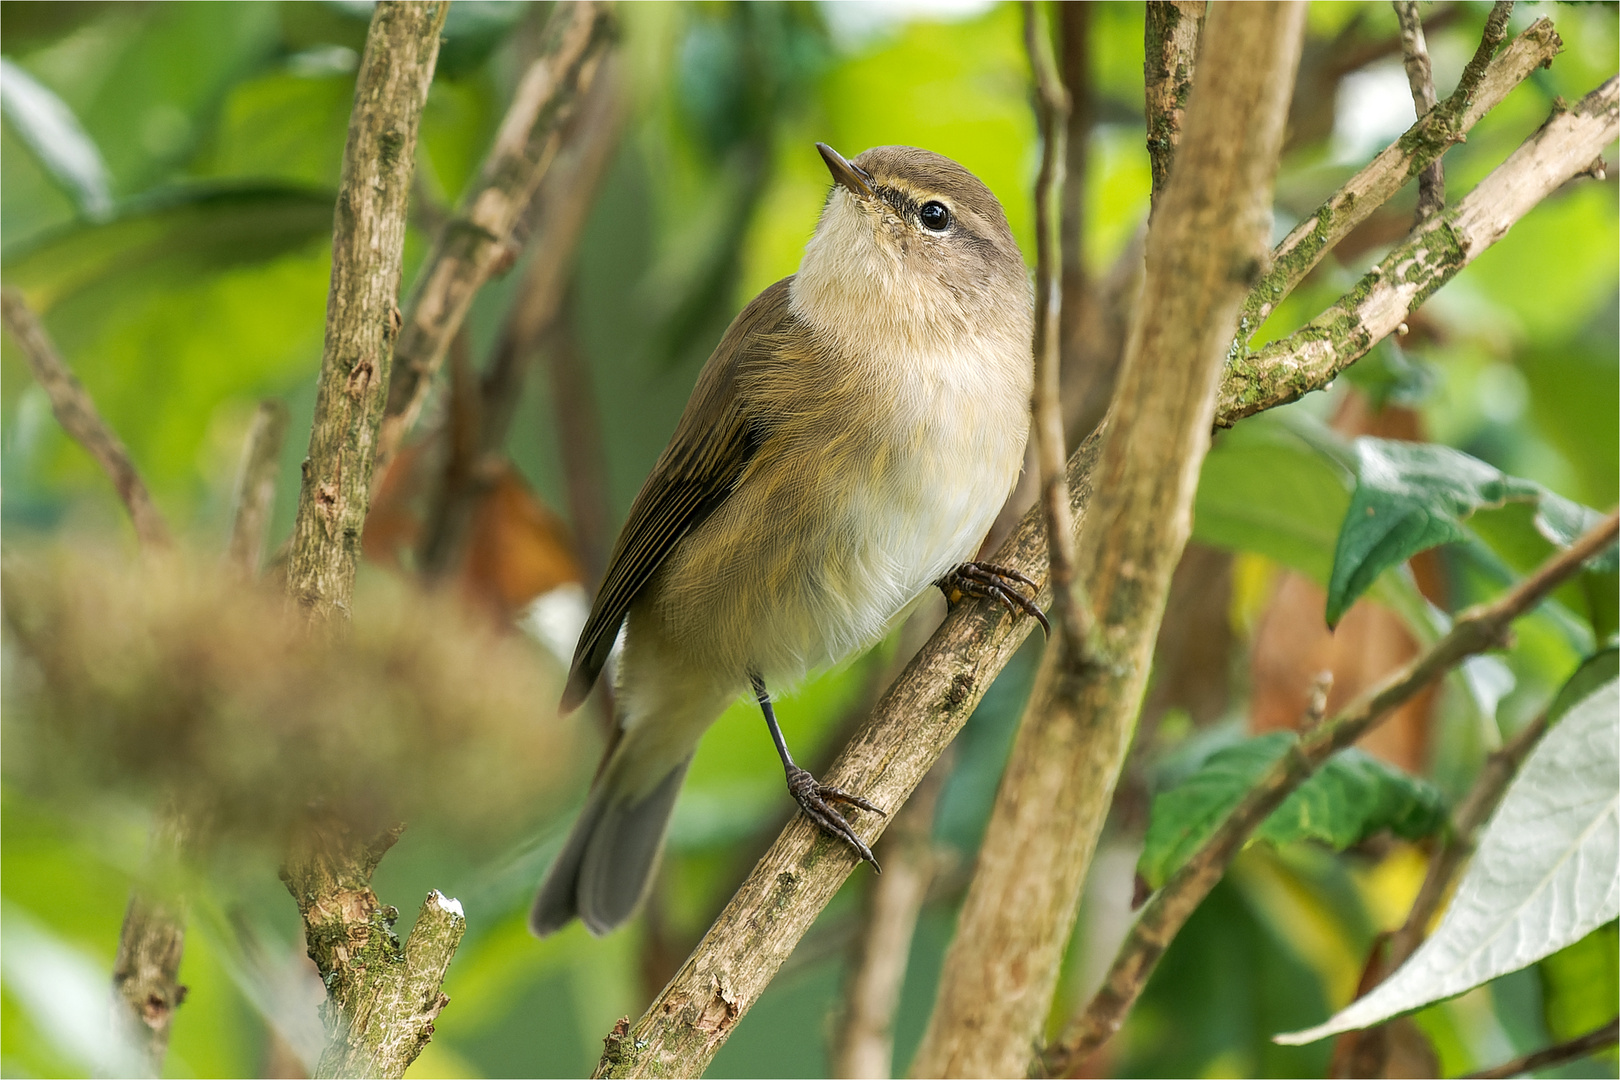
[
  {"x": 256, "y": 488},
  {"x": 1420, "y": 77},
  {"x": 1171, "y": 32},
  {"x": 478, "y": 242},
  {"x": 1052, "y": 115},
  {"x": 1575, "y": 1048},
  {"x": 1475, "y": 630},
  {"x": 1002, "y": 968},
  {"x": 81, "y": 420}
]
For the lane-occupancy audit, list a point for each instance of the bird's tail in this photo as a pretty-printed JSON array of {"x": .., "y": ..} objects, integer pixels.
[{"x": 608, "y": 861}]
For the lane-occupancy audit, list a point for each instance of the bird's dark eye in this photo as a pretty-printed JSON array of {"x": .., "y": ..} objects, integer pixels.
[{"x": 934, "y": 216}]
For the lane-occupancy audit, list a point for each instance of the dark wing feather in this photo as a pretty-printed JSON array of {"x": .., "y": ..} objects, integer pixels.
[{"x": 708, "y": 452}]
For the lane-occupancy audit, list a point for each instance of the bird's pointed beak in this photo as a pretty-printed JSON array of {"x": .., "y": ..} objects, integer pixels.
[{"x": 856, "y": 179}]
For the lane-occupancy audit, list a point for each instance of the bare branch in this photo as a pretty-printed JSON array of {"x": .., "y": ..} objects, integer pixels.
[
  {"x": 1420, "y": 76},
  {"x": 1475, "y": 630},
  {"x": 1052, "y": 115},
  {"x": 475, "y": 244},
  {"x": 1172, "y": 29},
  {"x": 1002, "y": 968},
  {"x": 1473, "y": 76},
  {"x": 1579, "y": 1047},
  {"x": 80, "y": 419},
  {"x": 918, "y": 716},
  {"x": 1287, "y": 369},
  {"x": 1373, "y": 186},
  {"x": 256, "y": 487}
]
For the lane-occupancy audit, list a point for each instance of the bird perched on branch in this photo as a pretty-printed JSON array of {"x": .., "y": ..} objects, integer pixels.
[{"x": 846, "y": 447}]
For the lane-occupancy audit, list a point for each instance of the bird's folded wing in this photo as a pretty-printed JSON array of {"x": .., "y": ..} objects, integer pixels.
[{"x": 708, "y": 452}]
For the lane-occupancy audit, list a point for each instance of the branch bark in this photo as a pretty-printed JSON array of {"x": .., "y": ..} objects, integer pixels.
[
  {"x": 477, "y": 242},
  {"x": 256, "y": 488},
  {"x": 1475, "y": 630},
  {"x": 1172, "y": 28},
  {"x": 1425, "y": 141},
  {"x": 1420, "y": 77},
  {"x": 77, "y": 414},
  {"x": 1052, "y": 116},
  {"x": 1206, "y": 242},
  {"x": 382, "y": 998},
  {"x": 1287, "y": 369},
  {"x": 918, "y": 716}
]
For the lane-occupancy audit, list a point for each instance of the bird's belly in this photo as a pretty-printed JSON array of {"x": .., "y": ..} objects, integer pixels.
[{"x": 827, "y": 540}]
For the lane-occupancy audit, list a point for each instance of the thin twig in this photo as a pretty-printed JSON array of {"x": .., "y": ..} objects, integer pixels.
[
  {"x": 1572, "y": 1050},
  {"x": 1499, "y": 769},
  {"x": 1425, "y": 141},
  {"x": 1495, "y": 32},
  {"x": 81, "y": 420},
  {"x": 1420, "y": 77},
  {"x": 1475, "y": 630},
  {"x": 478, "y": 242},
  {"x": 256, "y": 487},
  {"x": 918, "y": 716},
  {"x": 865, "y": 1046},
  {"x": 1052, "y": 114}
]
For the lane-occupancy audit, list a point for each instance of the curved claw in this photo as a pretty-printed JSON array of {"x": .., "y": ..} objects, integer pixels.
[
  {"x": 813, "y": 798},
  {"x": 995, "y": 582}
]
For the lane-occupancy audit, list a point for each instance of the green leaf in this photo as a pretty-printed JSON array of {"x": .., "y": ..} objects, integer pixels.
[
  {"x": 1580, "y": 983},
  {"x": 1182, "y": 818},
  {"x": 1349, "y": 798},
  {"x": 183, "y": 235},
  {"x": 1546, "y": 873},
  {"x": 1410, "y": 497}
]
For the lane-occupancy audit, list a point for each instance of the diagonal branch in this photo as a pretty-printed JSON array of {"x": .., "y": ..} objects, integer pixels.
[
  {"x": 916, "y": 719},
  {"x": 1287, "y": 369},
  {"x": 1553, "y": 1056},
  {"x": 1171, "y": 29},
  {"x": 476, "y": 243},
  {"x": 80, "y": 419},
  {"x": 1475, "y": 630},
  {"x": 256, "y": 488},
  {"x": 1425, "y": 141}
]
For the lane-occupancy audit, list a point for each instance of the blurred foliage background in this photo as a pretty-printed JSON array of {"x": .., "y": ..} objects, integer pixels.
[{"x": 166, "y": 183}]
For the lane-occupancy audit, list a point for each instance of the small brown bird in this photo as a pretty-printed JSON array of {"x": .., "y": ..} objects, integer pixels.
[{"x": 846, "y": 447}]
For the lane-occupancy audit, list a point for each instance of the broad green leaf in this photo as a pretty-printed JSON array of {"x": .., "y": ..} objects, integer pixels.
[
  {"x": 1410, "y": 497},
  {"x": 1352, "y": 796},
  {"x": 186, "y": 234},
  {"x": 1547, "y": 873}
]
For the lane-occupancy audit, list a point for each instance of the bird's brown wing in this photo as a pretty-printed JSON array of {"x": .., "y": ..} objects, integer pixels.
[{"x": 711, "y": 446}]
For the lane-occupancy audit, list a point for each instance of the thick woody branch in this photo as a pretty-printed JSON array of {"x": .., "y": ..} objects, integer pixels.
[
  {"x": 478, "y": 241},
  {"x": 1207, "y": 240},
  {"x": 381, "y": 998},
  {"x": 1474, "y": 631},
  {"x": 1425, "y": 141},
  {"x": 1420, "y": 77},
  {"x": 912, "y": 724},
  {"x": 256, "y": 488},
  {"x": 1171, "y": 38},
  {"x": 1285, "y": 370},
  {"x": 80, "y": 419},
  {"x": 1553, "y": 1056},
  {"x": 1052, "y": 115}
]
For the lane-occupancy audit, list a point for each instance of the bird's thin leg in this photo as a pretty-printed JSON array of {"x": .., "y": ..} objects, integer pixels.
[{"x": 814, "y": 797}]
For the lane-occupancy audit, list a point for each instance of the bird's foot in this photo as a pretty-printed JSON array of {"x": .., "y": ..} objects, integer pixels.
[
  {"x": 816, "y": 799},
  {"x": 995, "y": 582}
]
